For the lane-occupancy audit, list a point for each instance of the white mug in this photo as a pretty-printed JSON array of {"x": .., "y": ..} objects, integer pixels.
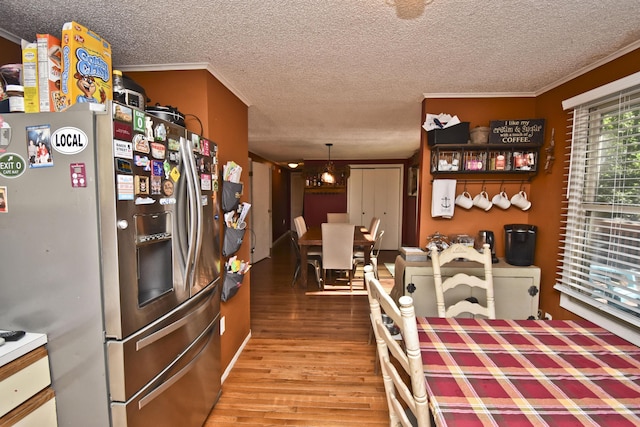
[
  {"x": 482, "y": 201},
  {"x": 521, "y": 201},
  {"x": 501, "y": 200},
  {"x": 464, "y": 200}
]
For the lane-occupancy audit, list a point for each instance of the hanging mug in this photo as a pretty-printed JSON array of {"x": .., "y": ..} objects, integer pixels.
[
  {"x": 501, "y": 200},
  {"x": 482, "y": 201},
  {"x": 521, "y": 201},
  {"x": 464, "y": 200}
]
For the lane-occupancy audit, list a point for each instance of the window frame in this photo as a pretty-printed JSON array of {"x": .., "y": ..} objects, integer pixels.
[{"x": 571, "y": 282}]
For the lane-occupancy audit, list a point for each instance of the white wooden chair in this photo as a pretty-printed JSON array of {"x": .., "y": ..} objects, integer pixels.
[
  {"x": 471, "y": 305},
  {"x": 337, "y": 249},
  {"x": 358, "y": 256},
  {"x": 407, "y": 401},
  {"x": 301, "y": 228},
  {"x": 374, "y": 227},
  {"x": 338, "y": 217}
]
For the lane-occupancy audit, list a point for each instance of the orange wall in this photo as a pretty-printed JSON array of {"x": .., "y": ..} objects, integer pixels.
[
  {"x": 225, "y": 121},
  {"x": 477, "y": 111},
  {"x": 545, "y": 189},
  {"x": 550, "y": 186}
]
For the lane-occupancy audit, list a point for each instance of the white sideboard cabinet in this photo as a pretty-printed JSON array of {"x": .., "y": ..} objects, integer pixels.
[
  {"x": 26, "y": 396},
  {"x": 516, "y": 289}
]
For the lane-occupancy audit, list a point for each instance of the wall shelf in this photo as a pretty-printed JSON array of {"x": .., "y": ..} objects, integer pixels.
[
  {"x": 512, "y": 161},
  {"x": 326, "y": 189}
]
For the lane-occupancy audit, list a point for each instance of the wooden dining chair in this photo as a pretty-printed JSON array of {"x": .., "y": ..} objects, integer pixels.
[
  {"x": 338, "y": 217},
  {"x": 337, "y": 249},
  {"x": 406, "y": 391},
  {"x": 471, "y": 304}
]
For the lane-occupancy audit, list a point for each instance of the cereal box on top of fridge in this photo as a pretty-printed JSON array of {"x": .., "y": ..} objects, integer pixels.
[{"x": 86, "y": 66}]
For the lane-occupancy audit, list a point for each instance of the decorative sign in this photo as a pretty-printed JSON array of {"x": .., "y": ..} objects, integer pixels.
[
  {"x": 69, "y": 140},
  {"x": 525, "y": 131},
  {"x": 12, "y": 165}
]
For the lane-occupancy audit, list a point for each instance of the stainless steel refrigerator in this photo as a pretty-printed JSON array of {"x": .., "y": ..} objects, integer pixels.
[{"x": 110, "y": 231}]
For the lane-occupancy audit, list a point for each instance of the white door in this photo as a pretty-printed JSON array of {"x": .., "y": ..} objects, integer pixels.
[
  {"x": 361, "y": 196},
  {"x": 388, "y": 202},
  {"x": 260, "y": 211},
  {"x": 376, "y": 190}
]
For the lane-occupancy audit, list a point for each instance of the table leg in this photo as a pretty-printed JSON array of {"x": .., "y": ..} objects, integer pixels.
[
  {"x": 303, "y": 264},
  {"x": 367, "y": 254}
]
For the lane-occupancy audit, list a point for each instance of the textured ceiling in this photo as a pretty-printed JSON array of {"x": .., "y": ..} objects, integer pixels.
[{"x": 348, "y": 72}]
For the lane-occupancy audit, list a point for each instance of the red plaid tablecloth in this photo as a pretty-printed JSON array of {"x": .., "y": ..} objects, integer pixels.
[{"x": 528, "y": 373}]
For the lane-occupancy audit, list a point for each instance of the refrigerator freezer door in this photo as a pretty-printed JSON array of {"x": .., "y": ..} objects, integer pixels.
[
  {"x": 135, "y": 361},
  {"x": 184, "y": 394}
]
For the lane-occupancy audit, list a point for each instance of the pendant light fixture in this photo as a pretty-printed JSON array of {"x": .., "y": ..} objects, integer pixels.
[{"x": 328, "y": 176}]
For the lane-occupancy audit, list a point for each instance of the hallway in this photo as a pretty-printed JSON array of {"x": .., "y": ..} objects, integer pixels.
[{"x": 308, "y": 362}]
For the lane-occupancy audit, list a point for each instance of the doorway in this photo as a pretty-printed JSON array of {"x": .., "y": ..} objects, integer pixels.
[{"x": 260, "y": 211}]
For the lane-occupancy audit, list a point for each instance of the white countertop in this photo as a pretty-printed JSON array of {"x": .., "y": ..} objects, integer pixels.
[{"x": 11, "y": 350}]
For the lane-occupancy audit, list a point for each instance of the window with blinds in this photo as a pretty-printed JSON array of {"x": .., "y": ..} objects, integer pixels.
[{"x": 600, "y": 270}]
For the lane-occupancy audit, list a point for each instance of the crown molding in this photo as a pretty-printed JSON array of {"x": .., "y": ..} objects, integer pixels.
[
  {"x": 10, "y": 36},
  {"x": 617, "y": 54},
  {"x": 188, "y": 66},
  {"x": 480, "y": 95}
]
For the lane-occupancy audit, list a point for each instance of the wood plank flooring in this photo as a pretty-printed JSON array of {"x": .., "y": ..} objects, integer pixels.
[{"x": 308, "y": 362}]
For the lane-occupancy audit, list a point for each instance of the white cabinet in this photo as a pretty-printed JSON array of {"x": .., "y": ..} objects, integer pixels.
[
  {"x": 377, "y": 191},
  {"x": 516, "y": 289},
  {"x": 26, "y": 396}
]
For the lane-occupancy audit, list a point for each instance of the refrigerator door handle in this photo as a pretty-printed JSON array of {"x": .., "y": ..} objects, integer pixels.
[
  {"x": 186, "y": 154},
  {"x": 168, "y": 330},
  {"x": 199, "y": 206}
]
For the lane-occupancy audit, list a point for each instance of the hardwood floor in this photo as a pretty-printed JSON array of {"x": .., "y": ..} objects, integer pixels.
[{"x": 308, "y": 362}]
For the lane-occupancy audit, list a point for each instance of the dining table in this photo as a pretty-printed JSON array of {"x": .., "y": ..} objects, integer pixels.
[
  {"x": 313, "y": 237},
  {"x": 481, "y": 372}
]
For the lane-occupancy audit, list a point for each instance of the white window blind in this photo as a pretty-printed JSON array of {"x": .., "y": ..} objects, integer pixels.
[{"x": 599, "y": 273}]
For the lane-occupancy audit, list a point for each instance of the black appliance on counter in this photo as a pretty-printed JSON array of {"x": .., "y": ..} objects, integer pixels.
[
  {"x": 486, "y": 236},
  {"x": 520, "y": 243}
]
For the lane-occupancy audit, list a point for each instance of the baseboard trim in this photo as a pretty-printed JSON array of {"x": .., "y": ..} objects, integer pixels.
[{"x": 235, "y": 358}]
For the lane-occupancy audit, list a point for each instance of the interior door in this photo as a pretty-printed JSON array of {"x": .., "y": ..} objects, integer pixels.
[
  {"x": 260, "y": 210},
  {"x": 361, "y": 196},
  {"x": 376, "y": 190},
  {"x": 388, "y": 202}
]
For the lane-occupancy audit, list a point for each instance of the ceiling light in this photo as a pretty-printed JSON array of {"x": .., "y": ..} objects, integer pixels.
[
  {"x": 328, "y": 176},
  {"x": 292, "y": 165}
]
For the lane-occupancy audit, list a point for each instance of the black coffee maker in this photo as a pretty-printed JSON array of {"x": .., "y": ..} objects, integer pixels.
[{"x": 487, "y": 236}]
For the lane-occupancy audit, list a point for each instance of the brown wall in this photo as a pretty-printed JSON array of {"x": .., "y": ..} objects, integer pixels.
[
  {"x": 545, "y": 190},
  {"x": 10, "y": 53},
  {"x": 280, "y": 201},
  {"x": 225, "y": 121}
]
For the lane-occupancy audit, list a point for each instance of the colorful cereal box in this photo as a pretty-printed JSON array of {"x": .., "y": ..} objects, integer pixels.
[
  {"x": 49, "y": 71},
  {"x": 86, "y": 66}
]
